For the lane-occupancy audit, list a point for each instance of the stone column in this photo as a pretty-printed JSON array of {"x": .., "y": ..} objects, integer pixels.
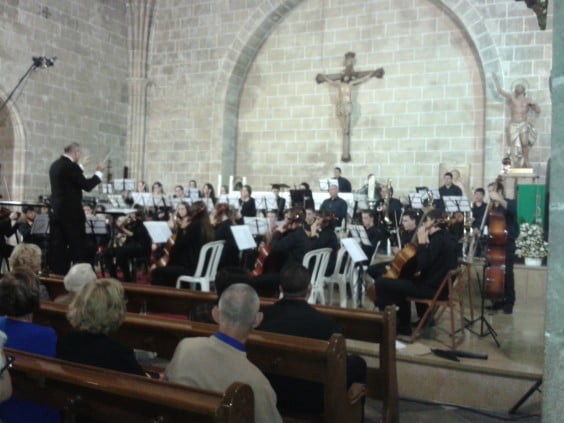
[
  {"x": 140, "y": 21},
  {"x": 553, "y": 389}
]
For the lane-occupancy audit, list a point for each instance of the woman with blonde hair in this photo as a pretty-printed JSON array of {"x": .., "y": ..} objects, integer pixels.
[{"x": 95, "y": 312}]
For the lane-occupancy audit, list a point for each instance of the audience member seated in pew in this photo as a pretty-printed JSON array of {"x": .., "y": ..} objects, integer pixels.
[
  {"x": 5, "y": 380},
  {"x": 19, "y": 299},
  {"x": 223, "y": 279},
  {"x": 292, "y": 315},
  {"x": 28, "y": 256},
  {"x": 79, "y": 275},
  {"x": 96, "y": 311},
  {"x": 216, "y": 362}
]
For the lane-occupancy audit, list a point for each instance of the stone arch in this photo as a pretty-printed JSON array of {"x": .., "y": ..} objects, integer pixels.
[
  {"x": 15, "y": 172},
  {"x": 264, "y": 21}
]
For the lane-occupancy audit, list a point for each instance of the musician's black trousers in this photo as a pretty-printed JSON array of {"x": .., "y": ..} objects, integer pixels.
[
  {"x": 67, "y": 241},
  {"x": 123, "y": 255},
  {"x": 395, "y": 291}
]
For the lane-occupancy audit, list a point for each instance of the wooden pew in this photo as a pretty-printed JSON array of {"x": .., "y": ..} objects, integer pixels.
[
  {"x": 113, "y": 396},
  {"x": 307, "y": 359},
  {"x": 362, "y": 325}
]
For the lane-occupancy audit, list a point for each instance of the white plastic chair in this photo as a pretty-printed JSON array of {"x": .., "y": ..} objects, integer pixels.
[
  {"x": 321, "y": 258},
  {"x": 339, "y": 277},
  {"x": 212, "y": 251}
]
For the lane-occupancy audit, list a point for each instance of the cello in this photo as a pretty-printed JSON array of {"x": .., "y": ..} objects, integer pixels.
[{"x": 494, "y": 273}]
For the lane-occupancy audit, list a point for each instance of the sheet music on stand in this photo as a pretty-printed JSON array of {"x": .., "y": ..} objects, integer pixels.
[
  {"x": 194, "y": 194},
  {"x": 142, "y": 199},
  {"x": 358, "y": 232},
  {"x": 326, "y": 182},
  {"x": 95, "y": 225},
  {"x": 464, "y": 205},
  {"x": 450, "y": 203},
  {"x": 160, "y": 201},
  {"x": 40, "y": 225},
  {"x": 123, "y": 184},
  {"x": 117, "y": 201},
  {"x": 265, "y": 201},
  {"x": 436, "y": 193},
  {"x": 158, "y": 231},
  {"x": 243, "y": 237},
  {"x": 234, "y": 203},
  {"x": 354, "y": 250},
  {"x": 223, "y": 199},
  {"x": 257, "y": 225},
  {"x": 415, "y": 200}
]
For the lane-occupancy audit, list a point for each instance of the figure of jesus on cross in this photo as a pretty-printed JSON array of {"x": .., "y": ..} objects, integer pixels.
[{"x": 344, "y": 81}]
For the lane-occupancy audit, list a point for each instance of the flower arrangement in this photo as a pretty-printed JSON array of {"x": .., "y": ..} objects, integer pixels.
[{"x": 530, "y": 242}]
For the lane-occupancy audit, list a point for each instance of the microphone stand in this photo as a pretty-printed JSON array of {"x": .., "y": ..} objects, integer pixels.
[{"x": 37, "y": 62}]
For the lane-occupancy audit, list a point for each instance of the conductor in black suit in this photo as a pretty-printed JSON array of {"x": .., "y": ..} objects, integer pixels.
[{"x": 68, "y": 237}]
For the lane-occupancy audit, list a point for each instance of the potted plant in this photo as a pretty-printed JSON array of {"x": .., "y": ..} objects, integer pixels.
[{"x": 530, "y": 244}]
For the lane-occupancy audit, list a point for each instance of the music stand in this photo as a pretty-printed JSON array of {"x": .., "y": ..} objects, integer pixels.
[
  {"x": 243, "y": 237},
  {"x": 95, "y": 225},
  {"x": 158, "y": 231},
  {"x": 489, "y": 330},
  {"x": 358, "y": 232},
  {"x": 257, "y": 225},
  {"x": 415, "y": 200},
  {"x": 40, "y": 226}
]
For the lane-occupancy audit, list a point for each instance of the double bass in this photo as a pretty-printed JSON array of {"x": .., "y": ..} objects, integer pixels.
[{"x": 494, "y": 273}]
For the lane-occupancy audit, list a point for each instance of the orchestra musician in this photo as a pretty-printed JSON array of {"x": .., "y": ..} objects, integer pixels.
[
  {"x": 208, "y": 196},
  {"x": 448, "y": 189},
  {"x": 194, "y": 230},
  {"x": 508, "y": 208},
  {"x": 335, "y": 204},
  {"x": 135, "y": 243},
  {"x": 280, "y": 202},
  {"x": 291, "y": 240},
  {"x": 387, "y": 206},
  {"x": 322, "y": 235},
  {"x": 25, "y": 222},
  {"x": 8, "y": 226},
  {"x": 141, "y": 187},
  {"x": 67, "y": 229},
  {"x": 310, "y": 217},
  {"x": 179, "y": 192},
  {"x": 375, "y": 235},
  {"x": 308, "y": 202},
  {"x": 408, "y": 227},
  {"x": 224, "y": 218},
  {"x": 436, "y": 255},
  {"x": 344, "y": 183},
  {"x": 248, "y": 206},
  {"x": 159, "y": 202},
  {"x": 478, "y": 208}
]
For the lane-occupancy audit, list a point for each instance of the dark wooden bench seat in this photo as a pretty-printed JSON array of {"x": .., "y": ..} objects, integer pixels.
[
  {"x": 362, "y": 325},
  {"x": 107, "y": 395},
  {"x": 307, "y": 359}
]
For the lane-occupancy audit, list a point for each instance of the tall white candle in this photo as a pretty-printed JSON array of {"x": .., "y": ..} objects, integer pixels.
[
  {"x": 218, "y": 188},
  {"x": 230, "y": 187},
  {"x": 244, "y": 180}
]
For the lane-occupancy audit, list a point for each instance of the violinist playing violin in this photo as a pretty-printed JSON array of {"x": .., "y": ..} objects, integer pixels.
[
  {"x": 435, "y": 256},
  {"x": 8, "y": 227},
  {"x": 193, "y": 231},
  {"x": 135, "y": 243},
  {"x": 508, "y": 208}
]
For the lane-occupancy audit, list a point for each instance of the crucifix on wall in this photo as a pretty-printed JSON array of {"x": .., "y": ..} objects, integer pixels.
[{"x": 344, "y": 82}]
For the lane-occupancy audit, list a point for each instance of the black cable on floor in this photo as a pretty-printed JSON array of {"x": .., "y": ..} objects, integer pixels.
[{"x": 470, "y": 409}]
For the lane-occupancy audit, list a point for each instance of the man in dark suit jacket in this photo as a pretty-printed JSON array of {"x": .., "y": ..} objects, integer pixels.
[
  {"x": 292, "y": 315},
  {"x": 67, "y": 217}
]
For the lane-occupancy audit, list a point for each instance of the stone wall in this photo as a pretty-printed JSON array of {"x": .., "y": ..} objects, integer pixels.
[
  {"x": 82, "y": 98},
  {"x": 236, "y": 82}
]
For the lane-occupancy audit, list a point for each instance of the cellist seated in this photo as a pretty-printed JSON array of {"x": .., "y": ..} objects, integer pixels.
[
  {"x": 408, "y": 227},
  {"x": 435, "y": 256}
]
